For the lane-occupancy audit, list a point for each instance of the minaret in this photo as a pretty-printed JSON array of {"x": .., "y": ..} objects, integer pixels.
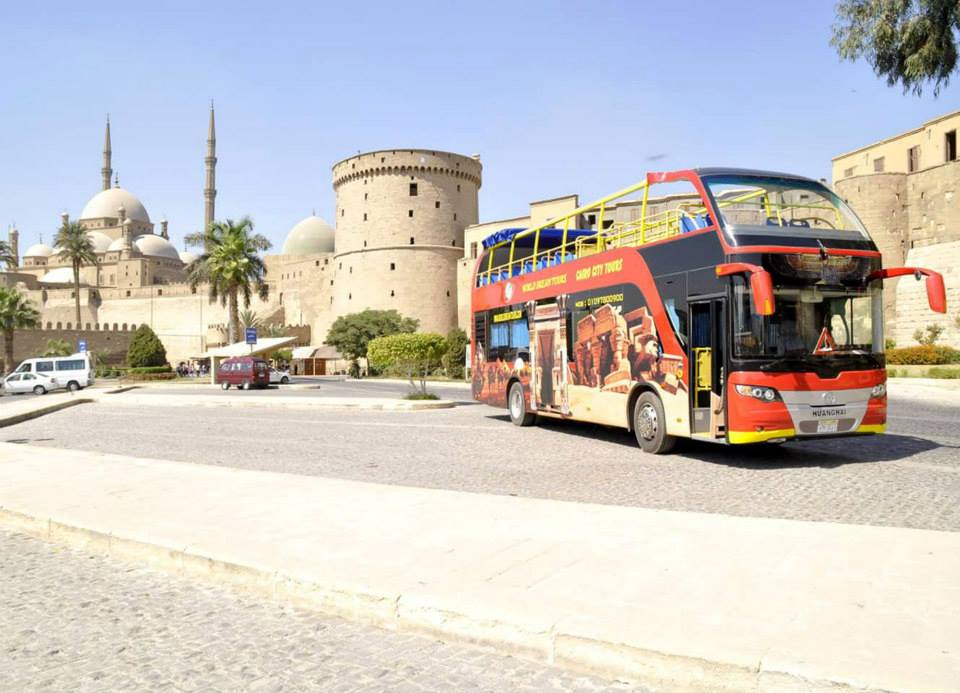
[
  {"x": 163, "y": 229},
  {"x": 210, "y": 191},
  {"x": 106, "y": 171},
  {"x": 14, "y": 238}
]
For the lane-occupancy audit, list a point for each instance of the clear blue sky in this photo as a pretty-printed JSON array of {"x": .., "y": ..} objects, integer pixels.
[{"x": 556, "y": 97}]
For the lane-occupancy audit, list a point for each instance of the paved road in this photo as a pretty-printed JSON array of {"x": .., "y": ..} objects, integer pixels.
[
  {"x": 311, "y": 387},
  {"x": 78, "y": 623},
  {"x": 909, "y": 478}
]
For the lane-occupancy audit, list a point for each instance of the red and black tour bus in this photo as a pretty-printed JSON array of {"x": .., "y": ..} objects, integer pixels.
[{"x": 738, "y": 306}]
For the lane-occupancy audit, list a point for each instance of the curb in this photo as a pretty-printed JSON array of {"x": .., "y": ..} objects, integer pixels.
[
  {"x": 541, "y": 642},
  {"x": 374, "y": 404},
  {"x": 42, "y": 410}
]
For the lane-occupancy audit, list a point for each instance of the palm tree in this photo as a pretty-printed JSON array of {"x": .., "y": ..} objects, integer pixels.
[
  {"x": 249, "y": 318},
  {"x": 6, "y": 256},
  {"x": 58, "y": 347},
  {"x": 230, "y": 265},
  {"x": 16, "y": 313},
  {"x": 76, "y": 247}
]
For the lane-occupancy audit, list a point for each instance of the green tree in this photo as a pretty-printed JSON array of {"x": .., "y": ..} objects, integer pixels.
[
  {"x": 351, "y": 334},
  {"x": 58, "y": 347},
  {"x": 146, "y": 349},
  {"x": 6, "y": 256},
  {"x": 16, "y": 313},
  {"x": 907, "y": 42},
  {"x": 453, "y": 359},
  {"x": 414, "y": 355},
  {"x": 230, "y": 265},
  {"x": 75, "y": 246}
]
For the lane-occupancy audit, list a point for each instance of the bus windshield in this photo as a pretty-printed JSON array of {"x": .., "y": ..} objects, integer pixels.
[
  {"x": 808, "y": 321},
  {"x": 755, "y": 205}
]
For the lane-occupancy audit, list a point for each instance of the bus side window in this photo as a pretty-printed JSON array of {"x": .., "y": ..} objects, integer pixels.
[{"x": 480, "y": 333}]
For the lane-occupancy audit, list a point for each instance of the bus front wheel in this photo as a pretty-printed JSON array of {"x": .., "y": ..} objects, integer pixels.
[
  {"x": 650, "y": 425},
  {"x": 517, "y": 404}
]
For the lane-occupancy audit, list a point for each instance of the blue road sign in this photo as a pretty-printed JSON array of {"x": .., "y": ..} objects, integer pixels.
[
  {"x": 251, "y": 335},
  {"x": 82, "y": 346}
]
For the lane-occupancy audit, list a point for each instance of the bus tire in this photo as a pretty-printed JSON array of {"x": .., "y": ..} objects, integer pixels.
[
  {"x": 650, "y": 425},
  {"x": 517, "y": 406},
  {"x": 73, "y": 386}
]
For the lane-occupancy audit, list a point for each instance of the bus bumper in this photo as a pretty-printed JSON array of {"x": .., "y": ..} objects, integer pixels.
[{"x": 746, "y": 437}]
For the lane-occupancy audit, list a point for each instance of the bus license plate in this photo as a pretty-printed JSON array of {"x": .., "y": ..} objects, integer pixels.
[{"x": 827, "y": 426}]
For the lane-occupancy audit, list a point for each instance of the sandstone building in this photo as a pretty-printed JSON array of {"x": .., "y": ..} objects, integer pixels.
[{"x": 904, "y": 188}]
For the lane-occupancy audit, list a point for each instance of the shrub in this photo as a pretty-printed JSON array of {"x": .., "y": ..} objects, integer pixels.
[
  {"x": 420, "y": 395},
  {"x": 146, "y": 377},
  {"x": 414, "y": 355},
  {"x": 457, "y": 341},
  {"x": 151, "y": 369},
  {"x": 925, "y": 355},
  {"x": 146, "y": 349},
  {"x": 944, "y": 373},
  {"x": 930, "y": 335}
]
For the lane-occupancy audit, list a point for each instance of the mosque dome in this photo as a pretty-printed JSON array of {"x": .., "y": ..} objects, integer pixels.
[
  {"x": 106, "y": 203},
  {"x": 61, "y": 275},
  {"x": 186, "y": 257},
  {"x": 310, "y": 236},
  {"x": 101, "y": 241},
  {"x": 149, "y": 244},
  {"x": 39, "y": 250},
  {"x": 158, "y": 246}
]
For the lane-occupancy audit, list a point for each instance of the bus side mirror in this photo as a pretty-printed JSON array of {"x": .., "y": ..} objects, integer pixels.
[
  {"x": 761, "y": 285},
  {"x": 936, "y": 291}
]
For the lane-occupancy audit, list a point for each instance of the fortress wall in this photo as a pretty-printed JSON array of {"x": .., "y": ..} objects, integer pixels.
[
  {"x": 934, "y": 205},
  {"x": 423, "y": 284},
  {"x": 913, "y": 311},
  {"x": 880, "y": 200},
  {"x": 30, "y": 343}
]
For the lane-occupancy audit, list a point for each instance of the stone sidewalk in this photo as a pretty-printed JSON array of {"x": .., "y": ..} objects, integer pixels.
[{"x": 675, "y": 601}]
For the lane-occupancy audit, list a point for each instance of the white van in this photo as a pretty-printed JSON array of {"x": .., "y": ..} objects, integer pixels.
[{"x": 75, "y": 371}]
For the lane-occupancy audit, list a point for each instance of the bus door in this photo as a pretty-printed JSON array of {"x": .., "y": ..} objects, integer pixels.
[
  {"x": 548, "y": 356},
  {"x": 707, "y": 331}
]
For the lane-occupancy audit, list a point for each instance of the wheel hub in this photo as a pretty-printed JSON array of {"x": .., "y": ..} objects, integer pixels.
[
  {"x": 647, "y": 422},
  {"x": 516, "y": 404}
]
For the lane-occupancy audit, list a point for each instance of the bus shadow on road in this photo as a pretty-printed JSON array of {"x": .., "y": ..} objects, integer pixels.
[{"x": 824, "y": 453}]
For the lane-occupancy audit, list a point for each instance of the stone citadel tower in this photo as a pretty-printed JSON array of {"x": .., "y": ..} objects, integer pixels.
[{"x": 400, "y": 216}]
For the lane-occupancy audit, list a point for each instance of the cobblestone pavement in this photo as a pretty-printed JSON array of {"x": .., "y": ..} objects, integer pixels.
[
  {"x": 909, "y": 477},
  {"x": 73, "y": 623}
]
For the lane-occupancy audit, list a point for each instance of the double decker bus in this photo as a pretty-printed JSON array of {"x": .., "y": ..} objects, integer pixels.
[{"x": 746, "y": 309}]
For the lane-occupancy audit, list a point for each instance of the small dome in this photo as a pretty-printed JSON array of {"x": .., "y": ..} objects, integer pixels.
[
  {"x": 39, "y": 250},
  {"x": 61, "y": 275},
  {"x": 186, "y": 257},
  {"x": 310, "y": 236},
  {"x": 106, "y": 202},
  {"x": 149, "y": 244},
  {"x": 101, "y": 241}
]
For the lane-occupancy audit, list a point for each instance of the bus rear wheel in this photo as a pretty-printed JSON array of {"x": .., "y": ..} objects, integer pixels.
[
  {"x": 517, "y": 404},
  {"x": 650, "y": 425}
]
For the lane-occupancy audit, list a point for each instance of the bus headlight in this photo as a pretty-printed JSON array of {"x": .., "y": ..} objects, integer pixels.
[
  {"x": 878, "y": 391},
  {"x": 765, "y": 394}
]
